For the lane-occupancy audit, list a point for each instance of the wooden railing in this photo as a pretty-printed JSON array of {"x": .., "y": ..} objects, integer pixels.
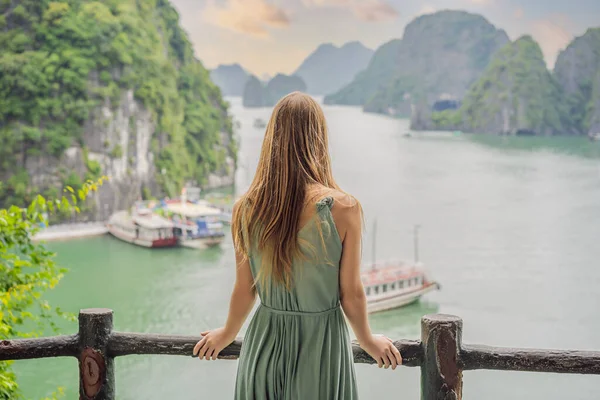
[{"x": 440, "y": 354}]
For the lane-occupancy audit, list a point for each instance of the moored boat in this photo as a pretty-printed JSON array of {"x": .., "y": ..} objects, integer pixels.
[
  {"x": 142, "y": 227},
  {"x": 390, "y": 285},
  {"x": 196, "y": 225},
  {"x": 259, "y": 123},
  {"x": 395, "y": 284}
]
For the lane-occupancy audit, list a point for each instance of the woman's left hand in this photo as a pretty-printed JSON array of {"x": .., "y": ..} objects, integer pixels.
[{"x": 212, "y": 343}]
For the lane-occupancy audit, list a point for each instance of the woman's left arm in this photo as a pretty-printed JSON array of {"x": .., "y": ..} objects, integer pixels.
[{"x": 240, "y": 305}]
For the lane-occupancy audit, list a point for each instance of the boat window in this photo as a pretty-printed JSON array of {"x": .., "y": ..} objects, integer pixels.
[
  {"x": 368, "y": 290},
  {"x": 385, "y": 288},
  {"x": 401, "y": 284},
  {"x": 393, "y": 285},
  {"x": 376, "y": 288}
]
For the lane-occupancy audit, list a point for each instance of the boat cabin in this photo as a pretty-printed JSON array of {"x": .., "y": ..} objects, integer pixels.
[{"x": 388, "y": 278}]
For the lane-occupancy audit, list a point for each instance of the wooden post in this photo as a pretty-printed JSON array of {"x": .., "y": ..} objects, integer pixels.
[
  {"x": 441, "y": 374},
  {"x": 96, "y": 367}
]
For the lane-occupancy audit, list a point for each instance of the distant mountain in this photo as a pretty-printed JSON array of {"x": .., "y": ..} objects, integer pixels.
[
  {"x": 440, "y": 55},
  {"x": 230, "y": 79},
  {"x": 577, "y": 70},
  {"x": 516, "y": 95},
  {"x": 258, "y": 95},
  {"x": 329, "y": 68}
]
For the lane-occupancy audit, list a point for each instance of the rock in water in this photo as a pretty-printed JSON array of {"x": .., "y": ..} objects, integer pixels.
[
  {"x": 231, "y": 79},
  {"x": 329, "y": 68},
  {"x": 258, "y": 95},
  {"x": 254, "y": 93},
  {"x": 440, "y": 55},
  {"x": 577, "y": 70},
  {"x": 515, "y": 95}
]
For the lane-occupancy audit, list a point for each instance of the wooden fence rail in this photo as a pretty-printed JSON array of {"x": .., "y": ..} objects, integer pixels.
[{"x": 440, "y": 354}]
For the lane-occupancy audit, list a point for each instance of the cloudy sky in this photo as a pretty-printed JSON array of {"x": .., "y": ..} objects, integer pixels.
[{"x": 270, "y": 36}]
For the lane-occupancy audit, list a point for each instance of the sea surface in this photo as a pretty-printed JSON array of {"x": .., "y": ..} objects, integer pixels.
[{"x": 509, "y": 226}]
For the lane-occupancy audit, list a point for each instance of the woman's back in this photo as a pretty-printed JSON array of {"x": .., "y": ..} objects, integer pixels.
[
  {"x": 297, "y": 345},
  {"x": 315, "y": 275}
]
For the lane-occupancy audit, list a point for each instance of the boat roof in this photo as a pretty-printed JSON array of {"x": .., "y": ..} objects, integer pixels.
[
  {"x": 389, "y": 272},
  {"x": 192, "y": 210},
  {"x": 152, "y": 221}
]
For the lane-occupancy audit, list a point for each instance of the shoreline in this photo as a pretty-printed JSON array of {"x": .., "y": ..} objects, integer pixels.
[{"x": 71, "y": 231}]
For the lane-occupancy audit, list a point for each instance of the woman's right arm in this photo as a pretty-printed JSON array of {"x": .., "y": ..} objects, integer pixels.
[{"x": 352, "y": 292}]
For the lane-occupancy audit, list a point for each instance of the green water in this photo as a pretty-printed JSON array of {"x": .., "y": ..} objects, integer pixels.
[{"x": 510, "y": 228}]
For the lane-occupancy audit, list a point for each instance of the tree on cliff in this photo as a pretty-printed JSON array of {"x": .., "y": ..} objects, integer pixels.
[
  {"x": 27, "y": 270},
  {"x": 78, "y": 81}
]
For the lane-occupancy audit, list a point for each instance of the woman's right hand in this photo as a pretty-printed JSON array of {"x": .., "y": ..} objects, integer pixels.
[{"x": 383, "y": 351}]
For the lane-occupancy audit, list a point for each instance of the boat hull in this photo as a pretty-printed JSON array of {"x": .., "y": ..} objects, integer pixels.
[
  {"x": 398, "y": 300},
  {"x": 124, "y": 236},
  {"x": 201, "y": 243}
]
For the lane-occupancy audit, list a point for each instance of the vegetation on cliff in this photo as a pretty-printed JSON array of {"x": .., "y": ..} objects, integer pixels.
[
  {"x": 515, "y": 95},
  {"x": 63, "y": 60},
  {"x": 440, "y": 54},
  {"x": 258, "y": 95},
  {"x": 577, "y": 70}
]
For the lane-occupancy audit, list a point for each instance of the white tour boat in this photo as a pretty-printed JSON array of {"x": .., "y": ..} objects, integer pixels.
[
  {"x": 395, "y": 284},
  {"x": 392, "y": 285},
  {"x": 196, "y": 225},
  {"x": 142, "y": 227}
]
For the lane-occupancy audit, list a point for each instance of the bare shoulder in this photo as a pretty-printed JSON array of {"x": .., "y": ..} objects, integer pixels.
[{"x": 346, "y": 212}]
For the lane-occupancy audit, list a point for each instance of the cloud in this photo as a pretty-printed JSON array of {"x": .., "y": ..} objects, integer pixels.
[
  {"x": 427, "y": 9},
  {"x": 481, "y": 2},
  {"x": 251, "y": 17},
  {"x": 375, "y": 10},
  {"x": 326, "y": 3},
  {"x": 366, "y": 10},
  {"x": 553, "y": 34},
  {"x": 519, "y": 13}
]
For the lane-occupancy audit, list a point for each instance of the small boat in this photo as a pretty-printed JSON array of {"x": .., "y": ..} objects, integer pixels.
[
  {"x": 259, "y": 123},
  {"x": 142, "y": 227},
  {"x": 390, "y": 285},
  {"x": 196, "y": 225},
  {"x": 594, "y": 137}
]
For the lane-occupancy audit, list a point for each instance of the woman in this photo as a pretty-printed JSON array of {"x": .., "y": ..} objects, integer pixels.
[{"x": 297, "y": 238}]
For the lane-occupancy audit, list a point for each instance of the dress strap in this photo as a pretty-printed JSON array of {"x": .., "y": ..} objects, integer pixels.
[{"x": 325, "y": 203}]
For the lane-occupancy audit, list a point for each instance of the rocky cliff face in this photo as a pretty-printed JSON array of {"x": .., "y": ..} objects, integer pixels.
[
  {"x": 106, "y": 88},
  {"x": 230, "y": 79},
  {"x": 515, "y": 95},
  {"x": 577, "y": 70},
  {"x": 258, "y": 95},
  {"x": 440, "y": 55}
]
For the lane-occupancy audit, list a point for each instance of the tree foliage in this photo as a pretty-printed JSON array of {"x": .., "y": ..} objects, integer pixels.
[
  {"x": 28, "y": 270},
  {"x": 61, "y": 60}
]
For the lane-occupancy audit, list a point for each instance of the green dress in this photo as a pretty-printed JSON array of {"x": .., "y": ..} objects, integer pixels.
[{"x": 297, "y": 346}]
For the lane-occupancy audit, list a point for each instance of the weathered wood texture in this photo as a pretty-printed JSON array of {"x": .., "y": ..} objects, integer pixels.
[
  {"x": 21, "y": 349},
  {"x": 96, "y": 366},
  {"x": 411, "y": 351},
  {"x": 122, "y": 344},
  {"x": 440, "y": 354},
  {"x": 534, "y": 360},
  {"x": 441, "y": 376}
]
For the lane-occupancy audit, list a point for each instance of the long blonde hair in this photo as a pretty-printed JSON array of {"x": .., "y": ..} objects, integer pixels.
[{"x": 295, "y": 154}]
